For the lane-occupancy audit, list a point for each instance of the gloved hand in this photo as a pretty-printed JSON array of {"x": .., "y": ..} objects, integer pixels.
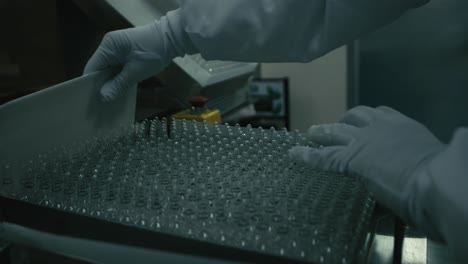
[
  {"x": 142, "y": 51},
  {"x": 384, "y": 147}
]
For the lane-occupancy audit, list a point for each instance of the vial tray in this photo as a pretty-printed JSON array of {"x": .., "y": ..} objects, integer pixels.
[{"x": 223, "y": 191}]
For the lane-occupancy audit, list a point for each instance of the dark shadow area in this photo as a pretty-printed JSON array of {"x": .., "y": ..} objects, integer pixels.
[{"x": 419, "y": 65}]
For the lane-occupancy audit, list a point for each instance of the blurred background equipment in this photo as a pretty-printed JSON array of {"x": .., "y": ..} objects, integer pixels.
[
  {"x": 270, "y": 99},
  {"x": 199, "y": 112}
]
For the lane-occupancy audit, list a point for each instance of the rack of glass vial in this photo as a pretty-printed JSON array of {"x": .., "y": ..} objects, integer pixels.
[{"x": 226, "y": 185}]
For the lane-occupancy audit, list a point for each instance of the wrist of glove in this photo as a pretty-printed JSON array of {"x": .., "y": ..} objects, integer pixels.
[
  {"x": 386, "y": 149},
  {"x": 142, "y": 52}
]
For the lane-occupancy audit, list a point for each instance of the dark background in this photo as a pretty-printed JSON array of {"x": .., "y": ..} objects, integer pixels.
[{"x": 419, "y": 65}]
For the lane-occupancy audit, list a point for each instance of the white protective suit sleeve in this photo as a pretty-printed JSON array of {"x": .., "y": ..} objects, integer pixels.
[
  {"x": 279, "y": 31},
  {"x": 403, "y": 164},
  {"x": 443, "y": 194}
]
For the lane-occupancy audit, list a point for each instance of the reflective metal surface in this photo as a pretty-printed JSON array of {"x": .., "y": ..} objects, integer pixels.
[{"x": 414, "y": 250}]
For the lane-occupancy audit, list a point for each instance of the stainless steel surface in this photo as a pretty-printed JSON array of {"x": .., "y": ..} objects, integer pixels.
[
  {"x": 414, "y": 250},
  {"x": 382, "y": 247},
  {"x": 382, "y": 250}
]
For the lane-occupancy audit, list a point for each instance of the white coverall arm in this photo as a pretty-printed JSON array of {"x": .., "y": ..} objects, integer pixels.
[
  {"x": 240, "y": 30},
  {"x": 278, "y": 31}
]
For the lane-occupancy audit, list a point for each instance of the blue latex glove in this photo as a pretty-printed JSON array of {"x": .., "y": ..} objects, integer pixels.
[
  {"x": 141, "y": 51},
  {"x": 384, "y": 147}
]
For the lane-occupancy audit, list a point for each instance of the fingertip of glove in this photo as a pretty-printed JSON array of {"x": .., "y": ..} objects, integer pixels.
[
  {"x": 91, "y": 66},
  {"x": 313, "y": 128},
  {"x": 293, "y": 153},
  {"x": 298, "y": 153},
  {"x": 105, "y": 99},
  {"x": 86, "y": 70},
  {"x": 307, "y": 156},
  {"x": 106, "y": 95},
  {"x": 319, "y": 130}
]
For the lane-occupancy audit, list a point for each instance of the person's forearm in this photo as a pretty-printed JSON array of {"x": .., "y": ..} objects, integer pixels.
[
  {"x": 441, "y": 205},
  {"x": 278, "y": 31}
]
